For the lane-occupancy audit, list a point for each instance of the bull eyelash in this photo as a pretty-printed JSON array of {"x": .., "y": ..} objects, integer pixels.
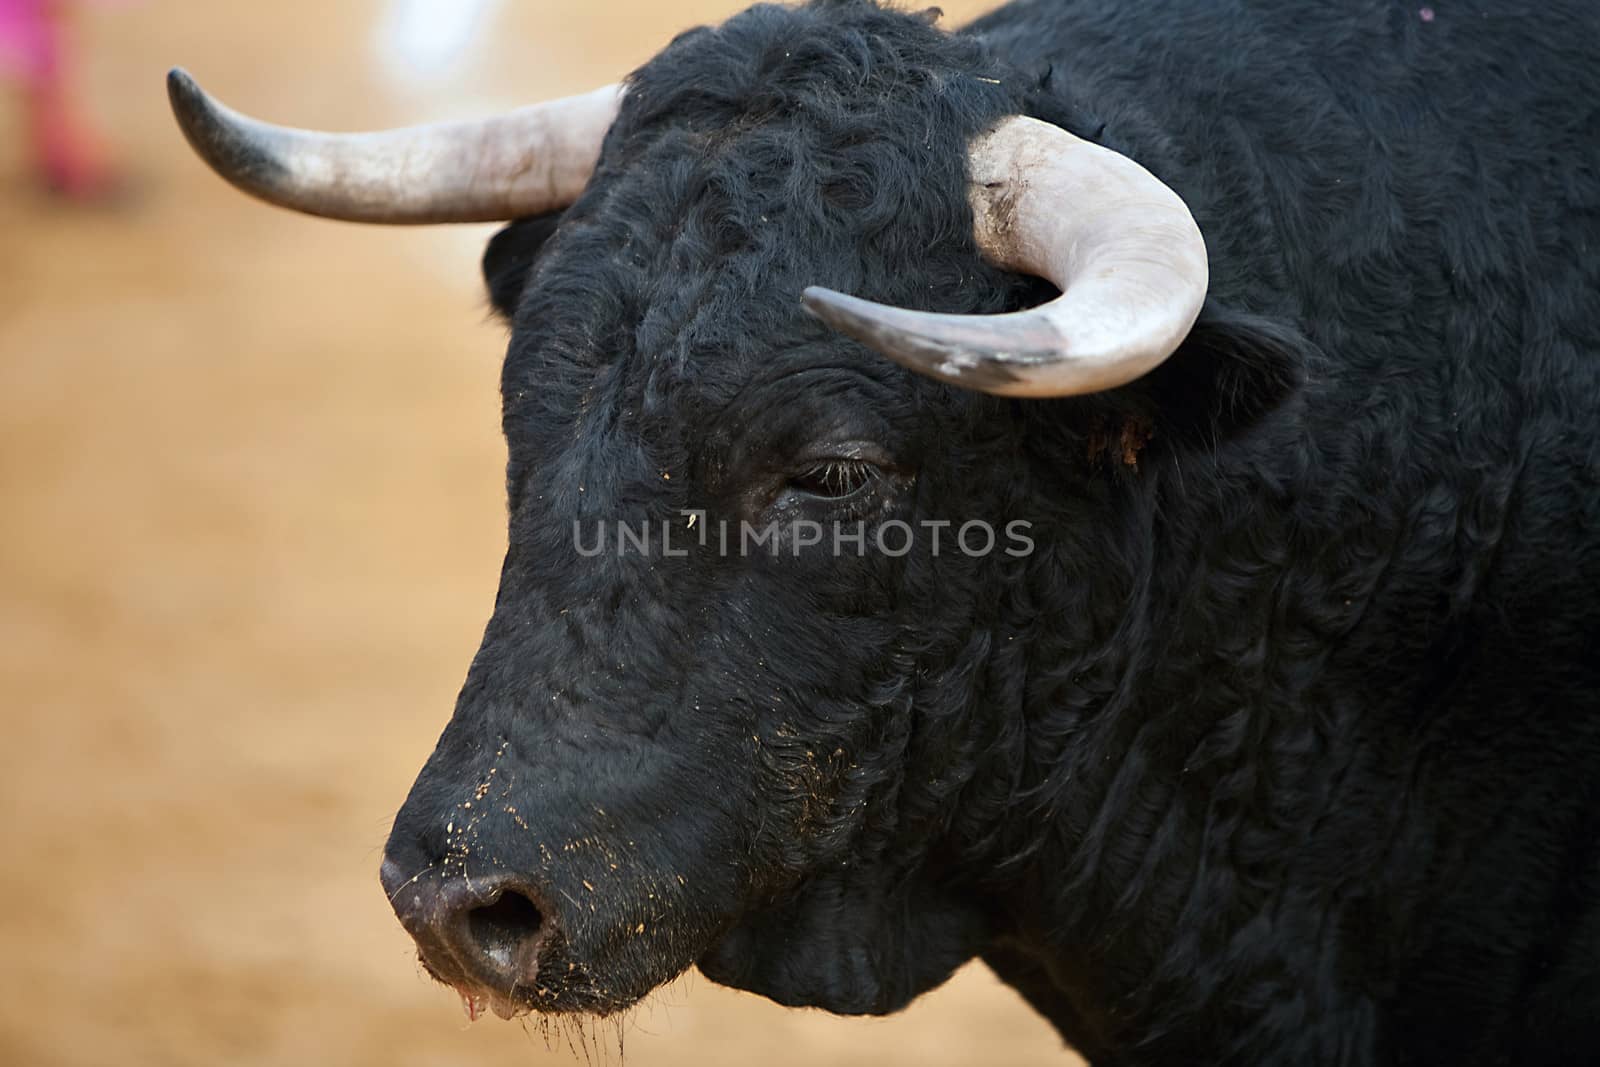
[{"x": 835, "y": 479}]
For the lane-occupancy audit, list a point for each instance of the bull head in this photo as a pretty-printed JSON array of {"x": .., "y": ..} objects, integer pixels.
[{"x": 791, "y": 767}]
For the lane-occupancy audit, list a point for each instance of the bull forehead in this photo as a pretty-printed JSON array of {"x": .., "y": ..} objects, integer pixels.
[
  {"x": 788, "y": 147},
  {"x": 611, "y": 430},
  {"x": 621, "y": 360}
]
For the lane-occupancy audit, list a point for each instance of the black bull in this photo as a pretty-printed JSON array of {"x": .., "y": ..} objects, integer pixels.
[{"x": 1280, "y": 744}]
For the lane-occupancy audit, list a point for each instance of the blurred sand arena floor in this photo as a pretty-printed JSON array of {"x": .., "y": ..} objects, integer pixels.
[{"x": 251, "y": 521}]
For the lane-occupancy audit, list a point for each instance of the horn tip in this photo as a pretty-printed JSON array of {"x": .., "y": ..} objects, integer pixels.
[
  {"x": 831, "y": 306},
  {"x": 193, "y": 109},
  {"x": 223, "y": 139},
  {"x": 871, "y": 324},
  {"x": 867, "y": 322},
  {"x": 936, "y": 346},
  {"x": 184, "y": 93}
]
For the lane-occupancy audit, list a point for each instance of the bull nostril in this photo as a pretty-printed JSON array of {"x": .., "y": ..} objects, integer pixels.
[{"x": 502, "y": 929}]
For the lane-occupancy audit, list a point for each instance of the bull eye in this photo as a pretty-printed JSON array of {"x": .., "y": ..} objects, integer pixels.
[{"x": 834, "y": 479}]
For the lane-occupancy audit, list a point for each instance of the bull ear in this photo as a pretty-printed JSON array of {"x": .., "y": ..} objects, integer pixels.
[
  {"x": 509, "y": 259},
  {"x": 1231, "y": 371},
  {"x": 1233, "y": 368}
]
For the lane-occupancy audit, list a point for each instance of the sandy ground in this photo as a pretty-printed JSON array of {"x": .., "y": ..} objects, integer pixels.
[{"x": 250, "y": 523}]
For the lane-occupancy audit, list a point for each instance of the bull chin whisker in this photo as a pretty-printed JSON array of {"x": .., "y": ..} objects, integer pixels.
[{"x": 573, "y": 1030}]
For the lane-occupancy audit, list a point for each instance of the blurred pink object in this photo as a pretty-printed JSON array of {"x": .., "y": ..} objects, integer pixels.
[
  {"x": 31, "y": 32},
  {"x": 29, "y": 40},
  {"x": 68, "y": 154}
]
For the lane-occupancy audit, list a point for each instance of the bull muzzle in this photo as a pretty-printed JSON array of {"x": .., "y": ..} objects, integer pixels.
[{"x": 493, "y": 939}]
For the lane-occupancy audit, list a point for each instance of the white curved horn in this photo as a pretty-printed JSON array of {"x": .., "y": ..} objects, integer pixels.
[
  {"x": 527, "y": 162},
  {"x": 1121, "y": 246}
]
